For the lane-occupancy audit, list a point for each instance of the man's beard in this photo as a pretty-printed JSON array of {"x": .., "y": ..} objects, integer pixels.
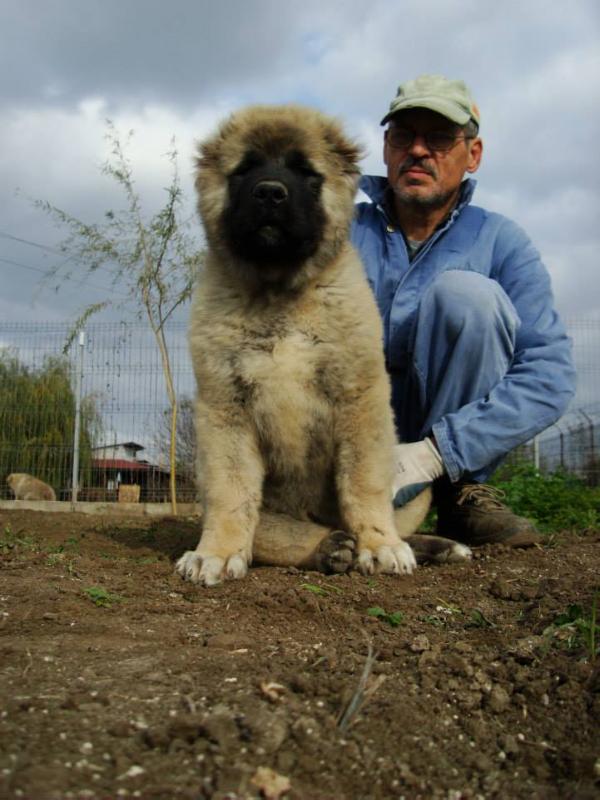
[{"x": 429, "y": 203}]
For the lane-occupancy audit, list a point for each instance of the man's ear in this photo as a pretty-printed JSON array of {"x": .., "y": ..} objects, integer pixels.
[{"x": 475, "y": 154}]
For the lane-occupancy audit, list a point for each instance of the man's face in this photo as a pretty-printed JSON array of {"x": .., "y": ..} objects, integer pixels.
[{"x": 420, "y": 175}]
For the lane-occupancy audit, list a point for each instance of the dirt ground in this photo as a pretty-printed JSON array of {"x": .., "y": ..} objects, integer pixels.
[{"x": 120, "y": 680}]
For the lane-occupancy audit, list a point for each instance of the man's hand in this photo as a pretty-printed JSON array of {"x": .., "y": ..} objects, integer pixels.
[{"x": 417, "y": 465}]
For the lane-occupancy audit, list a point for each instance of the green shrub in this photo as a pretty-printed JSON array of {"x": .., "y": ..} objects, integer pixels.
[{"x": 556, "y": 501}]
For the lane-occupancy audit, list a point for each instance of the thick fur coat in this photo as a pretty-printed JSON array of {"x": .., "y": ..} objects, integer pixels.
[{"x": 293, "y": 410}]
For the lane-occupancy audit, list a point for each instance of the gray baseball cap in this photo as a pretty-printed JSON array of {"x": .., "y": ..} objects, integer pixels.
[{"x": 451, "y": 99}]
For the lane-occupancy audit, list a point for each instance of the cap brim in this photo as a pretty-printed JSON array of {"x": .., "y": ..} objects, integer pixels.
[{"x": 446, "y": 108}]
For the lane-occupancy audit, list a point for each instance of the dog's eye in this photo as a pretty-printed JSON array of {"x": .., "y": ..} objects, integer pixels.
[
  {"x": 249, "y": 162},
  {"x": 298, "y": 162}
]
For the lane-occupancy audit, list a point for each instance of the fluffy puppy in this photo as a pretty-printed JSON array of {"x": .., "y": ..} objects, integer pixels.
[
  {"x": 293, "y": 411},
  {"x": 26, "y": 487}
]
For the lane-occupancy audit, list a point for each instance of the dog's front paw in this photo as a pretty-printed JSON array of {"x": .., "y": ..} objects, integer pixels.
[
  {"x": 208, "y": 570},
  {"x": 396, "y": 559}
]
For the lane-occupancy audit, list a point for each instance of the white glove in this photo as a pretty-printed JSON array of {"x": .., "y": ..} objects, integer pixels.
[{"x": 417, "y": 465}]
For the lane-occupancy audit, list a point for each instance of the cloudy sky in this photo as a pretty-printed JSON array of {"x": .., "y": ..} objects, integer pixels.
[{"x": 174, "y": 69}]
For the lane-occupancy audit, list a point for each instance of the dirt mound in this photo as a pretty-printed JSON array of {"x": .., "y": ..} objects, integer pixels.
[{"x": 119, "y": 680}]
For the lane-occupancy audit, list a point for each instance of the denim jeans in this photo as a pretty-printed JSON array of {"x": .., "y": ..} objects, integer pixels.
[{"x": 462, "y": 345}]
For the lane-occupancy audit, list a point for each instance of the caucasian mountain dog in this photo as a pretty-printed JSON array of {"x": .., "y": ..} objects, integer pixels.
[
  {"x": 26, "y": 487},
  {"x": 294, "y": 425}
]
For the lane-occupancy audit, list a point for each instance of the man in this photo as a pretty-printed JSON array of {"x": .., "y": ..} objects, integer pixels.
[{"x": 478, "y": 359}]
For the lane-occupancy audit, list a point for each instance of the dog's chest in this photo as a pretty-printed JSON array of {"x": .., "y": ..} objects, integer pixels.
[{"x": 283, "y": 385}]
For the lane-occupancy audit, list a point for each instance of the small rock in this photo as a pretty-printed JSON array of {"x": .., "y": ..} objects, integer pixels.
[
  {"x": 430, "y": 657},
  {"x": 121, "y": 729},
  {"x": 270, "y": 784},
  {"x": 509, "y": 744},
  {"x": 265, "y": 729},
  {"x": 499, "y": 699},
  {"x": 420, "y": 644},
  {"x": 503, "y": 590},
  {"x": 528, "y": 648},
  {"x": 132, "y": 772},
  {"x": 222, "y": 729},
  {"x": 300, "y": 683}
]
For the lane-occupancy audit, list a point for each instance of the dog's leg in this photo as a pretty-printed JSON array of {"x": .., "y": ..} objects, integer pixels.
[
  {"x": 364, "y": 477},
  {"x": 283, "y": 541},
  {"x": 232, "y": 475},
  {"x": 427, "y": 549}
]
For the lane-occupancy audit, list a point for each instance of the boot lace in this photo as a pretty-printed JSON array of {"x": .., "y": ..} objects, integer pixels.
[{"x": 488, "y": 498}]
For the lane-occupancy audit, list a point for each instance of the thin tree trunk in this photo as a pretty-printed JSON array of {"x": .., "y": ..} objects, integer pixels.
[{"x": 166, "y": 364}]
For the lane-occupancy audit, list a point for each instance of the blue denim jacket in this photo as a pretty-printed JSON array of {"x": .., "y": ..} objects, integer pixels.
[{"x": 541, "y": 379}]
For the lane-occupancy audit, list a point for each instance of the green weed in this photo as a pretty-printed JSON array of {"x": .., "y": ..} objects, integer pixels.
[
  {"x": 433, "y": 619},
  {"x": 578, "y": 628},
  {"x": 478, "y": 620},
  {"x": 101, "y": 597},
  {"x": 9, "y": 540},
  {"x": 394, "y": 618}
]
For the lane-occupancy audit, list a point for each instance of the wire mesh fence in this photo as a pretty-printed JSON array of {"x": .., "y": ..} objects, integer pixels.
[
  {"x": 124, "y": 422},
  {"x": 112, "y": 381}
]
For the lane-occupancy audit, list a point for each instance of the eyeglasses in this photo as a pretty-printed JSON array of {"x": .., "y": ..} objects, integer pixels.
[{"x": 438, "y": 141}]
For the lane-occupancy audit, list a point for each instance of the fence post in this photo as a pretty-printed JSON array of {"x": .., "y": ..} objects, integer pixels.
[
  {"x": 76, "y": 436},
  {"x": 536, "y": 453}
]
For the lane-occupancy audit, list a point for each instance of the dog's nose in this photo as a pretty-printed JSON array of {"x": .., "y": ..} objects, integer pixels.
[{"x": 270, "y": 192}]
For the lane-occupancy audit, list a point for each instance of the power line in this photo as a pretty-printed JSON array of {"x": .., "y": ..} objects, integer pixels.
[
  {"x": 45, "y": 247},
  {"x": 66, "y": 277},
  {"x": 33, "y": 244}
]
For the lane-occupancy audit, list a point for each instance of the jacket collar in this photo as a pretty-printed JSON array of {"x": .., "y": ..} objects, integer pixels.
[{"x": 374, "y": 186}]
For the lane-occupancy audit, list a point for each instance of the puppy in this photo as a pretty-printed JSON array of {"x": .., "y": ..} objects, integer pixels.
[{"x": 293, "y": 415}]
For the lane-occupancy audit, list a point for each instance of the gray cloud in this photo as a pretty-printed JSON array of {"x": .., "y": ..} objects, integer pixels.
[{"x": 175, "y": 68}]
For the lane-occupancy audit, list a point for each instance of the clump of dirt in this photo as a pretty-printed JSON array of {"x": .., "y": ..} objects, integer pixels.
[{"x": 120, "y": 680}]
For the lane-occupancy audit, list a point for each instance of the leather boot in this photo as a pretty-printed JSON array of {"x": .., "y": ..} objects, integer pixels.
[{"x": 473, "y": 513}]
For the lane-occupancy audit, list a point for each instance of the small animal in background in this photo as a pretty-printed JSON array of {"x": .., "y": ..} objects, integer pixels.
[{"x": 26, "y": 487}]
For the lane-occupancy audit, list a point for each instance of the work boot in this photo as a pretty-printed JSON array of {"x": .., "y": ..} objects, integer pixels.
[{"x": 473, "y": 513}]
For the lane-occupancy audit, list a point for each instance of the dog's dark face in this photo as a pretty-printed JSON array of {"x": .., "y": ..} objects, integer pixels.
[
  {"x": 276, "y": 191},
  {"x": 274, "y": 214}
]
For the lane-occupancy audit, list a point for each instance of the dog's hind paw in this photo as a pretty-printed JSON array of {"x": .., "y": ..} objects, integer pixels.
[
  {"x": 210, "y": 570},
  {"x": 438, "y": 550},
  {"x": 336, "y": 552}
]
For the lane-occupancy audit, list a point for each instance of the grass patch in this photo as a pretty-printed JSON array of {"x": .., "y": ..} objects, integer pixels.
[
  {"x": 101, "y": 597},
  {"x": 578, "y": 628},
  {"x": 394, "y": 618},
  {"x": 11, "y": 541},
  {"x": 557, "y": 501},
  {"x": 479, "y": 620}
]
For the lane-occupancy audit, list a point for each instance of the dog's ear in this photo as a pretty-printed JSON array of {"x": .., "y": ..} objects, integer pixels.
[
  {"x": 348, "y": 152},
  {"x": 208, "y": 153}
]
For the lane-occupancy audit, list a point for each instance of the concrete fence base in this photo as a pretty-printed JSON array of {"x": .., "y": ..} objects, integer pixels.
[{"x": 112, "y": 509}]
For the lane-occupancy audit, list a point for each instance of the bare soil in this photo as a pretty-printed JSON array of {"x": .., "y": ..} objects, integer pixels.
[{"x": 117, "y": 679}]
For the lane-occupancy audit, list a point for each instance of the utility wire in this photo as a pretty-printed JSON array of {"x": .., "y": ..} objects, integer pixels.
[
  {"x": 45, "y": 247},
  {"x": 33, "y": 244},
  {"x": 66, "y": 277}
]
